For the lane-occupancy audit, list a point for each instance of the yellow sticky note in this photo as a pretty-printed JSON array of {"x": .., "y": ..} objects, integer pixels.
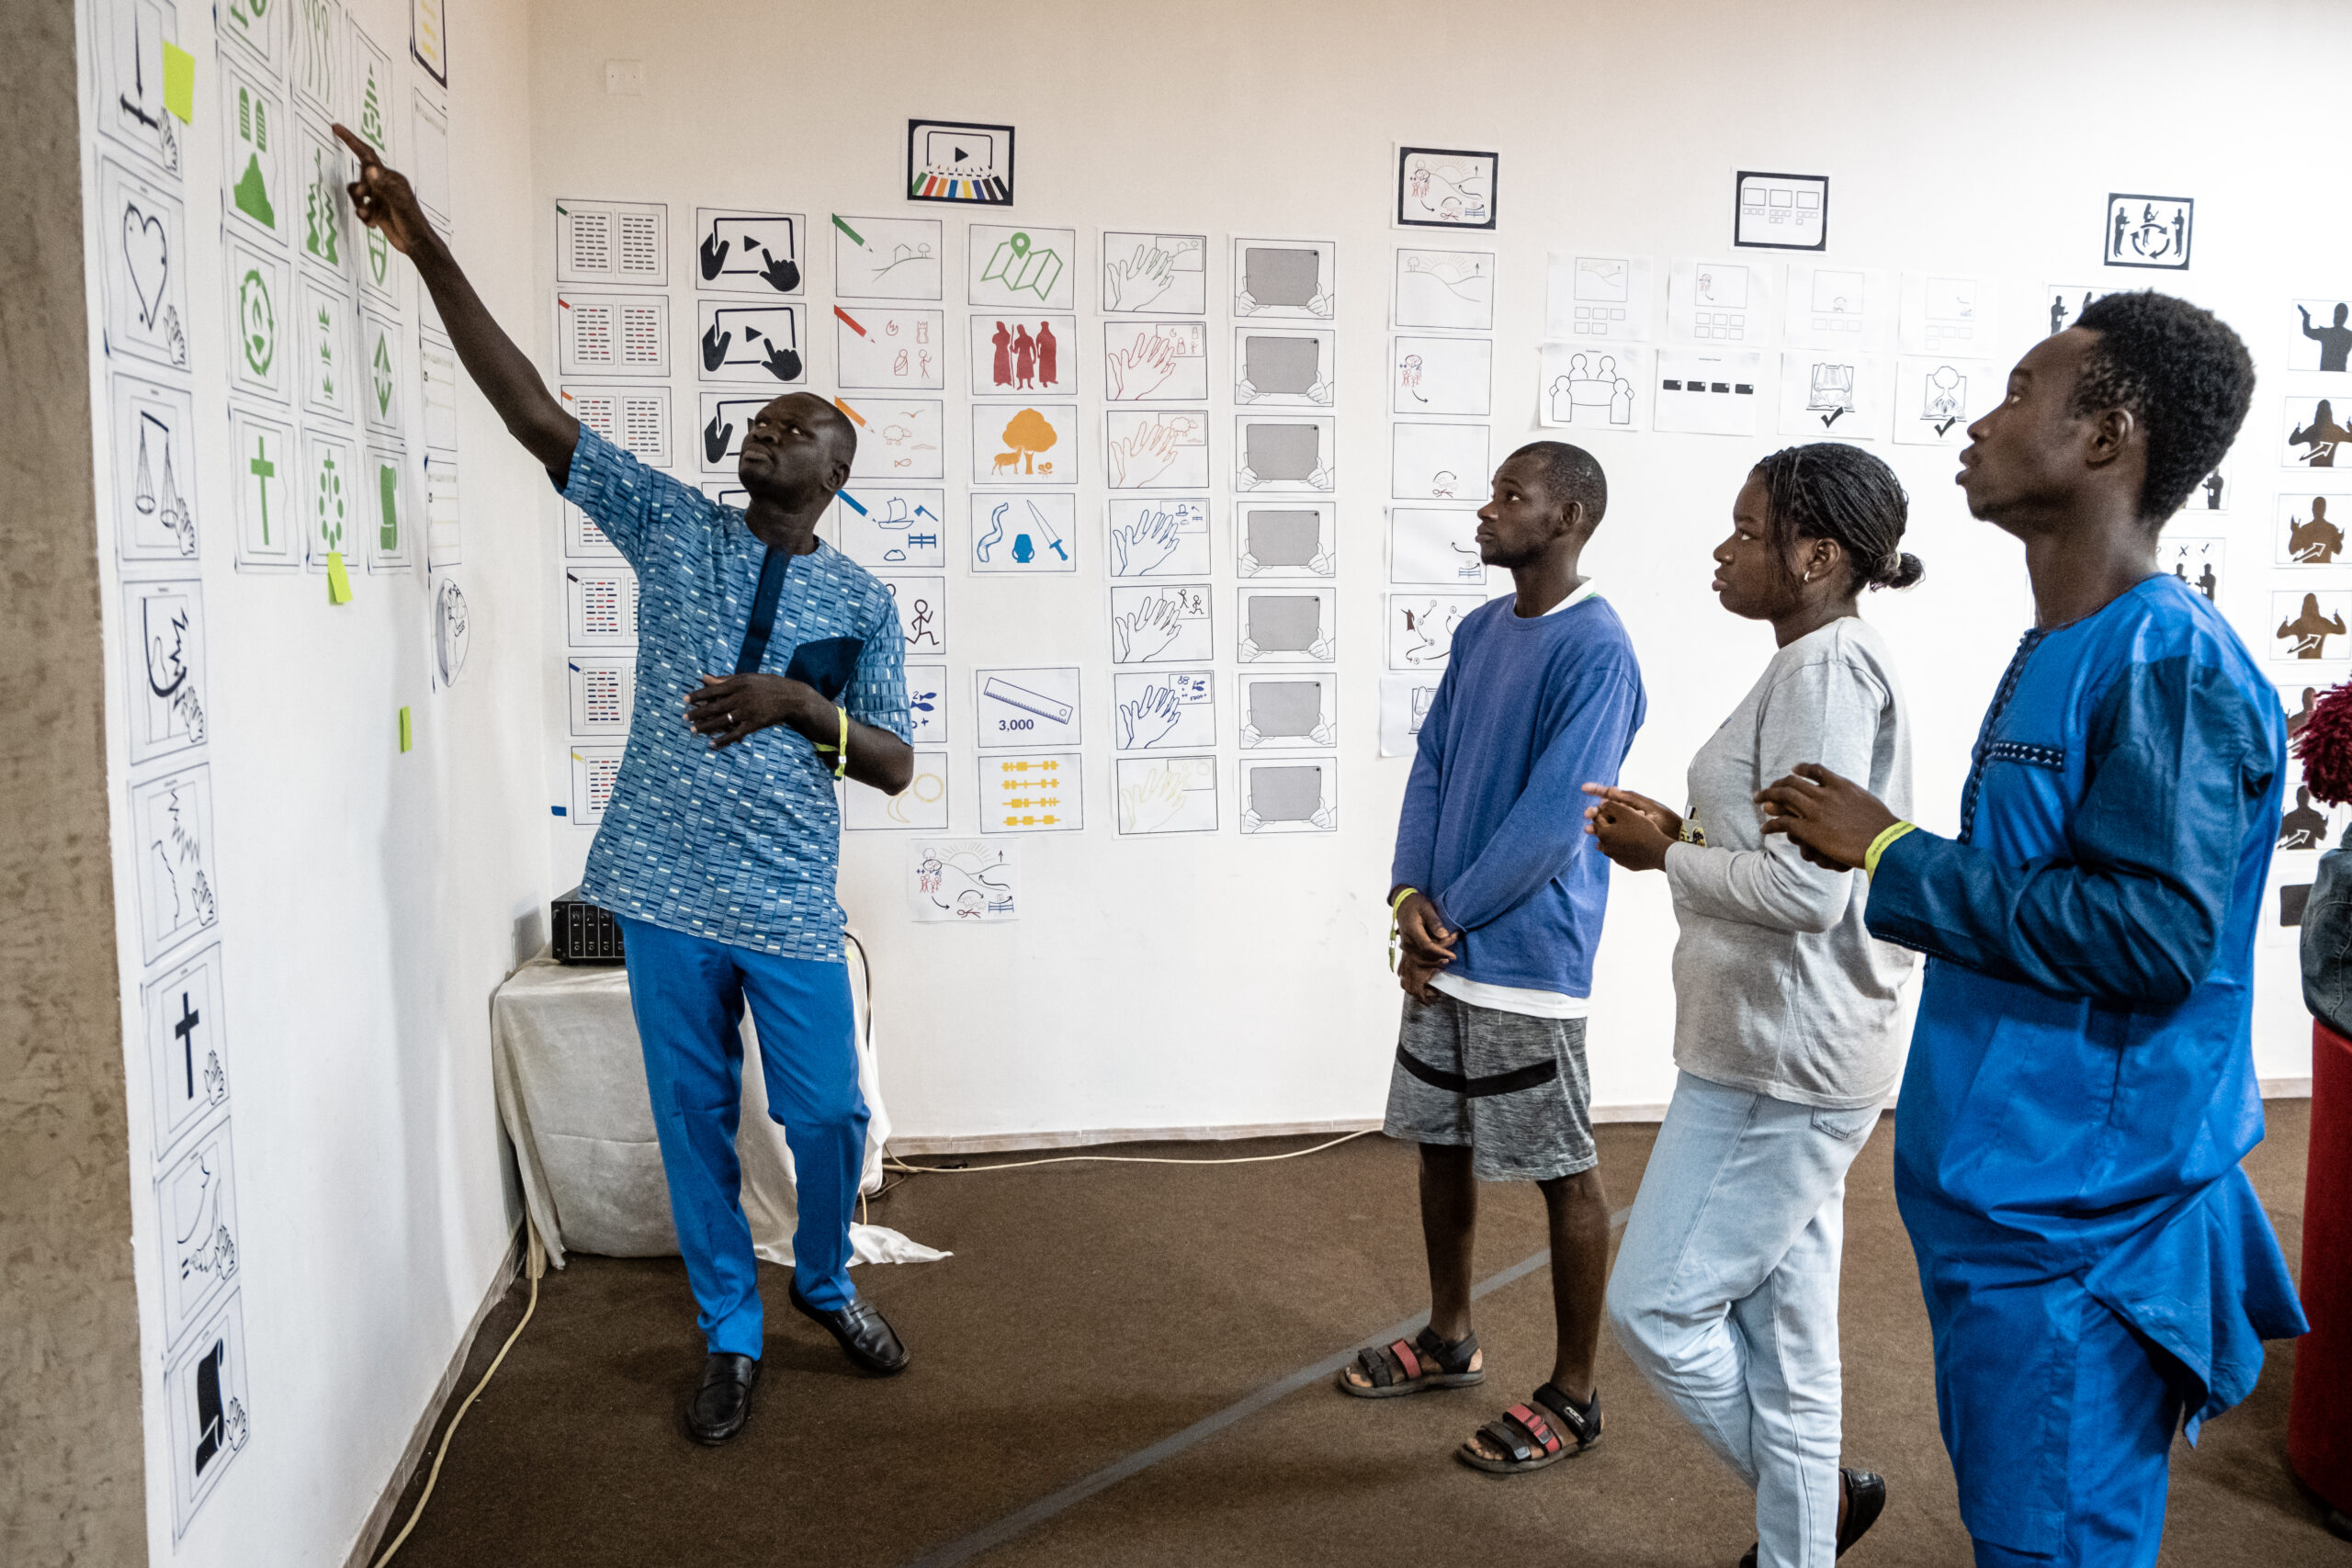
[
  {"x": 179, "y": 82},
  {"x": 338, "y": 579},
  {"x": 407, "y": 736}
]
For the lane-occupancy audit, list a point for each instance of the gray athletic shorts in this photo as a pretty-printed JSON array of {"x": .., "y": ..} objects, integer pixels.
[{"x": 1512, "y": 1087}]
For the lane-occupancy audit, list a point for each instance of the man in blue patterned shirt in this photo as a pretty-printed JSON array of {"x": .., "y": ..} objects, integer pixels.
[{"x": 769, "y": 664}]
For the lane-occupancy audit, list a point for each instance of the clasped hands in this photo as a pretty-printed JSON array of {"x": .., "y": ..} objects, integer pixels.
[
  {"x": 1424, "y": 945},
  {"x": 732, "y": 708},
  {"x": 1831, "y": 819}
]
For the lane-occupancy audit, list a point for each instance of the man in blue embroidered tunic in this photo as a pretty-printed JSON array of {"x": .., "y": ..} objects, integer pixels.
[
  {"x": 720, "y": 842},
  {"x": 2081, "y": 1086}
]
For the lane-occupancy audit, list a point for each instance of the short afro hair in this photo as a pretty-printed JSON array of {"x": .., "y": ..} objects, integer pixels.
[
  {"x": 2181, "y": 373},
  {"x": 1571, "y": 473}
]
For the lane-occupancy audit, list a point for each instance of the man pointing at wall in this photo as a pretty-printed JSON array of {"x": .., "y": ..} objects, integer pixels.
[{"x": 768, "y": 665}]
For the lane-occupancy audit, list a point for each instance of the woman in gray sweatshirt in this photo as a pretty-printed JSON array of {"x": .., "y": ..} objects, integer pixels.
[{"x": 1787, "y": 1012}]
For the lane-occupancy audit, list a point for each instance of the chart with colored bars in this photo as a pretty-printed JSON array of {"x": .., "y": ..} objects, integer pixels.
[
  {"x": 1032, "y": 792},
  {"x": 951, "y": 161}
]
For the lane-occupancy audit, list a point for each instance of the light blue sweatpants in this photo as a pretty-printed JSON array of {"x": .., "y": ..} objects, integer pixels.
[
  {"x": 1725, "y": 1296},
  {"x": 688, "y": 994}
]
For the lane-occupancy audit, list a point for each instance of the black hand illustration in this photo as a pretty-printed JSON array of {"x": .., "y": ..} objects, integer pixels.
[
  {"x": 782, "y": 276},
  {"x": 714, "y": 255},
  {"x": 715, "y": 438},
  {"x": 714, "y": 347},
  {"x": 782, "y": 363}
]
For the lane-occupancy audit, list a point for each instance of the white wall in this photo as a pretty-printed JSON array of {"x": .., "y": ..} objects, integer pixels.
[
  {"x": 1239, "y": 981},
  {"x": 369, "y": 901}
]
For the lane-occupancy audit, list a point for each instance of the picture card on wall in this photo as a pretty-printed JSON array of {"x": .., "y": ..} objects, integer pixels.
[
  {"x": 445, "y": 546},
  {"x": 612, "y": 335},
  {"x": 1420, "y": 631},
  {"x": 1162, "y": 709},
  {"x": 1950, "y": 313},
  {"x": 2215, "y": 491},
  {"x": 2063, "y": 303},
  {"x": 171, "y": 819},
  {"x": 1779, "y": 212},
  {"x": 898, "y": 438},
  {"x": 254, "y": 128},
  {"x": 324, "y": 316},
  {"x": 162, "y": 638},
  {"x": 2149, "y": 230},
  {"x": 877, "y": 525},
  {"x": 1831, "y": 396},
  {"x": 142, "y": 233},
  {"x": 375, "y": 94},
  {"x": 1293, "y": 709},
  {"x": 196, "y": 1202},
  {"x": 379, "y": 360},
  {"x": 318, "y": 65},
  {"x": 1284, "y": 366},
  {"x": 964, "y": 882},
  {"x": 1028, "y": 708},
  {"x": 610, "y": 241},
  {"x": 1025, "y": 443},
  {"x": 1935, "y": 399},
  {"x": 1144, "y": 272},
  {"x": 1016, "y": 356},
  {"x": 1439, "y": 188},
  {"x": 953, "y": 160},
  {"x": 1288, "y": 626},
  {"x": 600, "y": 606},
  {"x": 1157, "y": 538},
  {"x": 886, "y": 258},
  {"x": 208, "y": 1408},
  {"x": 2319, "y": 333},
  {"x": 1701, "y": 393},
  {"x": 602, "y": 694},
  {"x": 1587, "y": 387},
  {"x": 1156, "y": 449},
  {"x": 428, "y": 39},
  {"x": 1441, "y": 375},
  {"x": 1283, "y": 278},
  {"x": 1719, "y": 302},
  {"x": 1028, "y": 533},
  {"x": 330, "y": 499},
  {"x": 387, "y": 509},
  {"x": 922, "y": 803},
  {"x": 260, "y": 317},
  {"x": 1283, "y": 452},
  {"x": 748, "y": 253},
  {"x": 1451, "y": 290},
  {"x": 877, "y": 347},
  {"x": 262, "y": 467},
  {"x": 154, "y": 470},
  {"x": 437, "y": 378},
  {"x": 2197, "y": 561},
  {"x": 1033, "y": 792},
  {"x": 594, "y": 770},
  {"x": 724, "y": 417},
  {"x": 187, "y": 1046},
  {"x": 2311, "y": 625},
  {"x": 1162, "y": 623},
  {"x": 1589, "y": 296},
  {"x": 923, "y": 611},
  {"x": 429, "y": 134},
  {"x": 1290, "y": 795},
  {"x": 1404, "y": 703},
  {"x": 2310, "y": 528},
  {"x": 1166, "y": 794},
  {"x": 1435, "y": 546},
  {"x": 1438, "y": 462},
  {"x": 927, "y": 705},
  {"x": 1014, "y": 266},
  {"x": 1282, "y": 539},
  {"x": 634, "y": 419},
  {"x": 764, "y": 343},
  {"x": 1153, "y": 362},
  {"x": 1844, "y": 310},
  {"x": 130, "y": 36}
]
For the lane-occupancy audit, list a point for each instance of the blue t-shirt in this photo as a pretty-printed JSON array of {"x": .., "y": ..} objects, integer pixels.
[
  {"x": 741, "y": 846},
  {"x": 1528, "y": 713}
]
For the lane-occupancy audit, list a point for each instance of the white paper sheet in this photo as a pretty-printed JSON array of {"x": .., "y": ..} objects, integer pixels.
[
  {"x": 1150, "y": 362},
  {"x": 1295, "y": 708},
  {"x": 1937, "y": 400},
  {"x": 1435, "y": 546},
  {"x": 1593, "y": 297},
  {"x": 1166, "y": 794},
  {"x": 1709, "y": 393},
  {"x": 1404, "y": 703},
  {"x": 1442, "y": 376},
  {"x": 1592, "y": 387},
  {"x": 1145, "y": 273},
  {"x": 1439, "y": 462},
  {"x": 963, "y": 881},
  {"x": 1451, "y": 290}
]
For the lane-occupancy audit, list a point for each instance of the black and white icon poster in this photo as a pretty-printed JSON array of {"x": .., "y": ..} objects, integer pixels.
[
  {"x": 188, "y": 1052},
  {"x": 2310, "y": 528},
  {"x": 1444, "y": 187},
  {"x": 748, "y": 253},
  {"x": 1781, "y": 213},
  {"x": 2063, "y": 304},
  {"x": 130, "y": 36},
  {"x": 2319, "y": 334},
  {"x": 154, "y": 470},
  {"x": 142, "y": 232},
  {"x": 2213, "y": 492},
  {"x": 762, "y": 344},
  {"x": 2314, "y": 431},
  {"x": 2149, "y": 231},
  {"x": 205, "y": 1391},
  {"x": 2195, "y": 560},
  {"x": 196, "y": 1202},
  {"x": 163, "y": 637},
  {"x": 956, "y": 162},
  {"x": 171, "y": 822}
]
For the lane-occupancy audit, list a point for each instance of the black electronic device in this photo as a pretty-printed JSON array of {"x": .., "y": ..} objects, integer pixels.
[{"x": 584, "y": 933}]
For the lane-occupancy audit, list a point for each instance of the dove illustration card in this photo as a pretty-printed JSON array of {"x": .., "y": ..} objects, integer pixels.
[{"x": 748, "y": 253}]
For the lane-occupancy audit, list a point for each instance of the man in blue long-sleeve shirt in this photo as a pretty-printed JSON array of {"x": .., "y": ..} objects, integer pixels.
[
  {"x": 2097, "y": 1271},
  {"x": 1498, "y": 899}
]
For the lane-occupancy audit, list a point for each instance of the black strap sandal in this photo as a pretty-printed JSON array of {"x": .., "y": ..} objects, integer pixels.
[
  {"x": 1401, "y": 1367},
  {"x": 1865, "y": 1501},
  {"x": 1545, "y": 1430}
]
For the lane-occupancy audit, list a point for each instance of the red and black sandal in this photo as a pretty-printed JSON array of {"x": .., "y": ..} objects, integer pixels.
[
  {"x": 1545, "y": 1430},
  {"x": 1401, "y": 1367}
]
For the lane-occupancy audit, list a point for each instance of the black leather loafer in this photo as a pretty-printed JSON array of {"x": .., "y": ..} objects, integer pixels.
[
  {"x": 718, "y": 1410},
  {"x": 859, "y": 1328},
  {"x": 1865, "y": 1501}
]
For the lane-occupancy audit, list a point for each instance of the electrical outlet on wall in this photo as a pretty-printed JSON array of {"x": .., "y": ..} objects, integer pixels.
[{"x": 624, "y": 78}]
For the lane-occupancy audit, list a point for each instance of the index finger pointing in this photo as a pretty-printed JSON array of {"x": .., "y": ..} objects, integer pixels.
[{"x": 367, "y": 156}]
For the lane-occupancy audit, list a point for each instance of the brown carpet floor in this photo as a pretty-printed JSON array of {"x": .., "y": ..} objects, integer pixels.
[{"x": 1093, "y": 1311}]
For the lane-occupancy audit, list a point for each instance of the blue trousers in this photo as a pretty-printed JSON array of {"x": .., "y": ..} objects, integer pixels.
[{"x": 688, "y": 994}]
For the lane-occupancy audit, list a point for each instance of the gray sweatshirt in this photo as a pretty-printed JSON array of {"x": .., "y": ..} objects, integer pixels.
[{"x": 1777, "y": 986}]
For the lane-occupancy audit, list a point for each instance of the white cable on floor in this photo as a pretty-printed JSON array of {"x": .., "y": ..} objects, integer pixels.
[
  {"x": 896, "y": 1164},
  {"x": 536, "y": 1263}
]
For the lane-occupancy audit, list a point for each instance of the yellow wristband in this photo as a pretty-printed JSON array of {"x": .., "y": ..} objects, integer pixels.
[
  {"x": 1878, "y": 845},
  {"x": 841, "y": 768},
  {"x": 1399, "y": 902},
  {"x": 1395, "y": 939}
]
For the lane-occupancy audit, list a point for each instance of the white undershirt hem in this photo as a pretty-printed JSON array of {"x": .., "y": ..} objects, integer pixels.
[{"x": 1521, "y": 1000}]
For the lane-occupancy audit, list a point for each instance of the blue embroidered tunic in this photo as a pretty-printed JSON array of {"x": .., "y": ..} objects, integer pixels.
[{"x": 2081, "y": 1083}]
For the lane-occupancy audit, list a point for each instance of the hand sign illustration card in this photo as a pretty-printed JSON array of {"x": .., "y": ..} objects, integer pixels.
[
  {"x": 1164, "y": 710},
  {"x": 747, "y": 252},
  {"x": 1155, "y": 362},
  {"x": 1158, "y": 538},
  {"x": 763, "y": 344},
  {"x": 1167, "y": 624},
  {"x": 1145, "y": 273}
]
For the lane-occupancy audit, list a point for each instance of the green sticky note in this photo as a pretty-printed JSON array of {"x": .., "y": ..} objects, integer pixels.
[
  {"x": 179, "y": 82},
  {"x": 407, "y": 736},
  {"x": 338, "y": 579}
]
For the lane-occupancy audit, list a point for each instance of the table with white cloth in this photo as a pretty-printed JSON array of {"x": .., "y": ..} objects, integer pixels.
[{"x": 571, "y": 1085}]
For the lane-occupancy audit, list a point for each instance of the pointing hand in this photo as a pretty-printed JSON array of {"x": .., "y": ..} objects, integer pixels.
[
  {"x": 714, "y": 347},
  {"x": 381, "y": 199},
  {"x": 780, "y": 274},
  {"x": 781, "y": 362}
]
